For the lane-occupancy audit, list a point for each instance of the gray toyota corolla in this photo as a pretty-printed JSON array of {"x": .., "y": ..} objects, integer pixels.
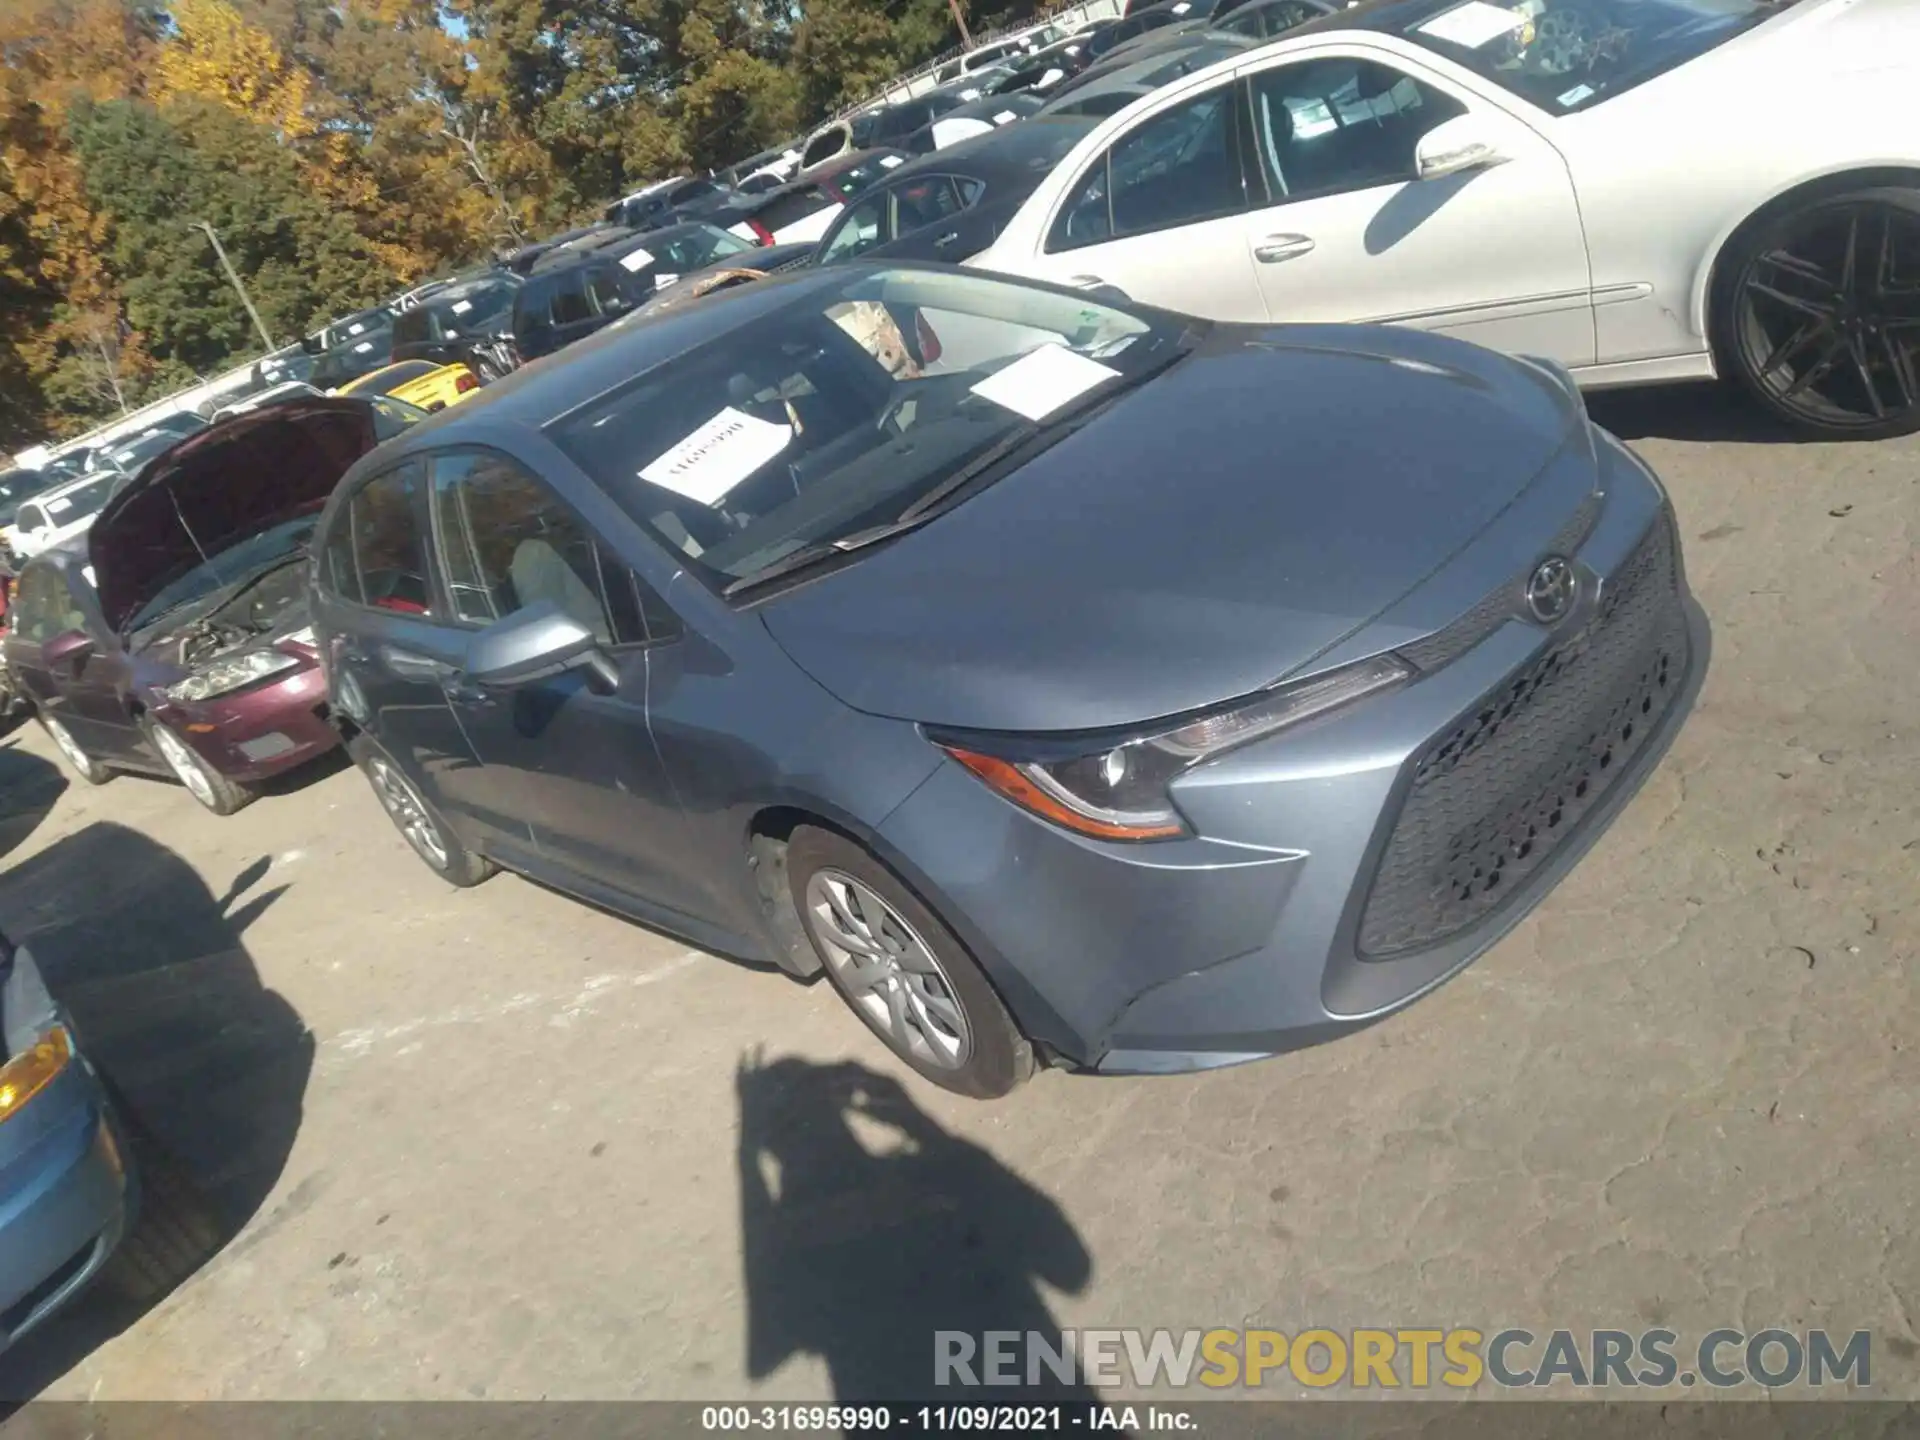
[{"x": 1074, "y": 682}]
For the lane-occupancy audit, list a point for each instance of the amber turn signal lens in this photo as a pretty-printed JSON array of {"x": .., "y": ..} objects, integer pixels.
[
  {"x": 30, "y": 1072},
  {"x": 1012, "y": 782}
]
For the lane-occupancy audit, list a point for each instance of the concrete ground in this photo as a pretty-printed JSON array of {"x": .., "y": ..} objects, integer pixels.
[{"x": 491, "y": 1143}]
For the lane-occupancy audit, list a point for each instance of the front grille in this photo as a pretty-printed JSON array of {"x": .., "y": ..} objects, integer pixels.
[{"x": 1497, "y": 795}]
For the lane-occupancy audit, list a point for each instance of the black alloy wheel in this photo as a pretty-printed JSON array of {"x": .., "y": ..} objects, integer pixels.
[{"x": 1826, "y": 315}]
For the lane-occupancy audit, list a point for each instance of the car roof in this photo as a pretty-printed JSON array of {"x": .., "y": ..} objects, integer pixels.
[{"x": 1010, "y": 152}]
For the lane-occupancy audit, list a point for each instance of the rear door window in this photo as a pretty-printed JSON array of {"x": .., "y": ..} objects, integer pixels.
[{"x": 1178, "y": 167}]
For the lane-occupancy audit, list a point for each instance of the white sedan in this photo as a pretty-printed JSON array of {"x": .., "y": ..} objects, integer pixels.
[
  {"x": 1642, "y": 190},
  {"x": 60, "y": 514}
]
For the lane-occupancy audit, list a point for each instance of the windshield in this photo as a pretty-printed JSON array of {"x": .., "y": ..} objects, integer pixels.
[
  {"x": 132, "y": 457},
  {"x": 264, "y": 550},
  {"x": 838, "y": 411},
  {"x": 81, "y": 501},
  {"x": 869, "y": 172},
  {"x": 1565, "y": 55},
  {"x": 699, "y": 248},
  {"x": 474, "y": 310}
]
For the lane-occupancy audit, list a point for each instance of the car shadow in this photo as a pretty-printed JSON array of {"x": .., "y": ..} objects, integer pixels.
[
  {"x": 1703, "y": 411},
  {"x": 151, "y": 966},
  {"x": 29, "y": 789},
  {"x": 867, "y": 1227}
]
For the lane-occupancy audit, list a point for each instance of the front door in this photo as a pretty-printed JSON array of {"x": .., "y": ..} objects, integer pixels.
[
  {"x": 578, "y": 761},
  {"x": 85, "y": 694},
  {"x": 387, "y": 672},
  {"x": 1347, "y": 232}
]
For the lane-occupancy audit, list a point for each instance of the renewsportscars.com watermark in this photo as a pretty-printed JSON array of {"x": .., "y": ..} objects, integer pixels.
[{"x": 1414, "y": 1359}]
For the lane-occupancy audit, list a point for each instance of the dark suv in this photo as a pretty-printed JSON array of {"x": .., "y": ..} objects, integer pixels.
[
  {"x": 570, "y": 299},
  {"x": 445, "y": 326}
]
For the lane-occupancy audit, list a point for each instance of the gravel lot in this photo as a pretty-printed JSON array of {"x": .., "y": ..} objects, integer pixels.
[{"x": 490, "y": 1143}]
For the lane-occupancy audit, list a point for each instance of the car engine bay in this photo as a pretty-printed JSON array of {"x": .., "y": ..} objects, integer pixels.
[{"x": 262, "y": 606}]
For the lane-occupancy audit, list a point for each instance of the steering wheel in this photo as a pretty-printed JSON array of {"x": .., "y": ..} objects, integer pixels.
[{"x": 1565, "y": 39}]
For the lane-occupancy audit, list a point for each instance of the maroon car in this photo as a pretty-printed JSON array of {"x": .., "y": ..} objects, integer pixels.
[{"x": 173, "y": 637}]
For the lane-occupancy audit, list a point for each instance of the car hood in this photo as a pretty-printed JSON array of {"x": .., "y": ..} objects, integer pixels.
[
  {"x": 218, "y": 487},
  {"x": 1210, "y": 532}
]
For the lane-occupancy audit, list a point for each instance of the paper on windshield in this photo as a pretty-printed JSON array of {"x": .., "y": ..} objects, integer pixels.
[
  {"x": 660, "y": 280},
  {"x": 356, "y": 329},
  {"x": 363, "y": 347},
  {"x": 1004, "y": 117},
  {"x": 888, "y": 162},
  {"x": 1473, "y": 24},
  {"x": 636, "y": 260},
  {"x": 1573, "y": 97},
  {"x": 59, "y": 506},
  {"x": 1043, "y": 380},
  {"x": 718, "y": 456},
  {"x": 461, "y": 307}
]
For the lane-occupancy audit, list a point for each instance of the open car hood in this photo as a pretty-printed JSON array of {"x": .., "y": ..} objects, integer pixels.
[{"x": 218, "y": 487}]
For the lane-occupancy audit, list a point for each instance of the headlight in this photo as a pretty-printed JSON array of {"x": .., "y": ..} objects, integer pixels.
[
  {"x": 231, "y": 672},
  {"x": 30, "y": 1072},
  {"x": 1121, "y": 792}
]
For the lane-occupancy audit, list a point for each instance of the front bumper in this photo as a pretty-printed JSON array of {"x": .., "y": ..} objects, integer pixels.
[
  {"x": 66, "y": 1196},
  {"x": 1258, "y": 934},
  {"x": 263, "y": 731}
]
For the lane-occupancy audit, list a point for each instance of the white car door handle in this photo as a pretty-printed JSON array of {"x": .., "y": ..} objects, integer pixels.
[{"x": 1275, "y": 248}]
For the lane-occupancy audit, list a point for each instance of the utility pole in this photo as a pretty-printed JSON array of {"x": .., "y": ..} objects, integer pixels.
[
  {"x": 960, "y": 23},
  {"x": 233, "y": 275}
]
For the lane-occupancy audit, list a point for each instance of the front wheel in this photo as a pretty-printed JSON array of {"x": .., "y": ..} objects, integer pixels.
[
  {"x": 206, "y": 784},
  {"x": 1819, "y": 314},
  {"x": 902, "y": 971},
  {"x": 419, "y": 824},
  {"x": 94, "y": 772}
]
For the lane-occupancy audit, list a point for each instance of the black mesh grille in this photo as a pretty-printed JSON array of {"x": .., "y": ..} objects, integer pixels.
[
  {"x": 1494, "y": 797},
  {"x": 1499, "y": 604}
]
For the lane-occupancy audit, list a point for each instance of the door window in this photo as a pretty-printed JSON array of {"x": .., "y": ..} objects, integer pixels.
[
  {"x": 1326, "y": 127},
  {"x": 863, "y": 227},
  {"x": 376, "y": 557},
  {"x": 608, "y": 294},
  {"x": 508, "y": 542},
  {"x": 570, "y": 303},
  {"x": 1178, "y": 167},
  {"x": 924, "y": 202},
  {"x": 43, "y": 607},
  {"x": 29, "y": 519}
]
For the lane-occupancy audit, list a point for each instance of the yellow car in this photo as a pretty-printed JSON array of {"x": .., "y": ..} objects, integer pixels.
[{"x": 418, "y": 382}]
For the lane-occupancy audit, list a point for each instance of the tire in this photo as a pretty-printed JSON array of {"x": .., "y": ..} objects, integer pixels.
[
  {"x": 984, "y": 1056},
  {"x": 176, "y": 1229},
  {"x": 206, "y": 784},
  {"x": 89, "y": 769},
  {"x": 443, "y": 853},
  {"x": 1746, "y": 334}
]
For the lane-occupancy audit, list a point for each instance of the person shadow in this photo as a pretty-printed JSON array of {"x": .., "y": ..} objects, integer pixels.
[
  {"x": 867, "y": 1228},
  {"x": 210, "y": 1065}
]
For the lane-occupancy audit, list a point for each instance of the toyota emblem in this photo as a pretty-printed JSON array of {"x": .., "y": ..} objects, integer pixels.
[{"x": 1551, "y": 589}]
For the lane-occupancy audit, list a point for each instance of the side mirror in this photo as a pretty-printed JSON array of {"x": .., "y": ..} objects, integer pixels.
[
  {"x": 1456, "y": 147},
  {"x": 536, "y": 643},
  {"x": 70, "y": 647}
]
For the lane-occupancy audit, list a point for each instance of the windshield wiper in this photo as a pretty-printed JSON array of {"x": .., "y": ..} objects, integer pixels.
[{"x": 948, "y": 492}]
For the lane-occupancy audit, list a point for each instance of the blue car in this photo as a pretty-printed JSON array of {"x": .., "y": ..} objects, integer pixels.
[{"x": 68, "y": 1188}]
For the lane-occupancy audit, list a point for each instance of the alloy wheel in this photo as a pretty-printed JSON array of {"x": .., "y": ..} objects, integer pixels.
[
  {"x": 70, "y": 748},
  {"x": 1829, "y": 318},
  {"x": 187, "y": 767},
  {"x": 409, "y": 812},
  {"x": 887, "y": 971}
]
